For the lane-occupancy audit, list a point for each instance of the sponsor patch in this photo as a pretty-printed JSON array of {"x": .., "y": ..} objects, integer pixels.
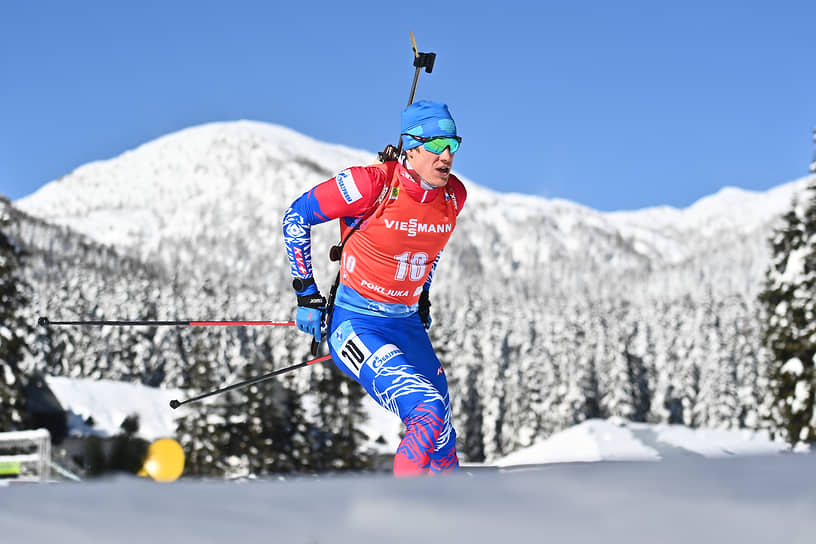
[
  {"x": 412, "y": 226},
  {"x": 382, "y": 290},
  {"x": 383, "y": 355},
  {"x": 347, "y": 186}
]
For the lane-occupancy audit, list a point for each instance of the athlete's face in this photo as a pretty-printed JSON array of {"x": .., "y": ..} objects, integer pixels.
[{"x": 434, "y": 169}]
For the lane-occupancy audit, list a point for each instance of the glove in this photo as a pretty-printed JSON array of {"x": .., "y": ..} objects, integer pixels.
[
  {"x": 310, "y": 312},
  {"x": 424, "y": 309}
]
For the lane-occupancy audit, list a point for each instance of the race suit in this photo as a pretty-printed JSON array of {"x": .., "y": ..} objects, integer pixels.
[{"x": 376, "y": 336}]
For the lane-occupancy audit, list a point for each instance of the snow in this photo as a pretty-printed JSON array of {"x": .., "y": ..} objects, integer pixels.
[
  {"x": 609, "y": 481},
  {"x": 793, "y": 366},
  {"x": 729, "y": 208},
  {"x": 742, "y": 500},
  {"x": 794, "y": 267},
  {"x": 33, "y": 434},
  {"x": 593, "y": 440},
  {"x": 382, "y": 427},
  {"x": 616, "y": 439},
  {"x": 160, "y": 188},
  {"x": 727, "y": 482},
  {"x": 669, "y": 231},
  {"x": 800, "y": 399},
  {"x": 109, "y": 402}
]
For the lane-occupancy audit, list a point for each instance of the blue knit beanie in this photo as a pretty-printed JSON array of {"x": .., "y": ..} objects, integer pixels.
[{"x": 427, "y": 119}]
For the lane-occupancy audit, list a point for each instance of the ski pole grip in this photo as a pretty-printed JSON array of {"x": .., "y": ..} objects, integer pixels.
[{"x": 315, "y": 347}]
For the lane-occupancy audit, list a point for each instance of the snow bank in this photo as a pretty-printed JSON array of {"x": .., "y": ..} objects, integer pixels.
[{"x": 616, "y": 439}]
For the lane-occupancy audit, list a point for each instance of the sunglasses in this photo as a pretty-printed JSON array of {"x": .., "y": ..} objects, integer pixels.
[{"x": 438, "y": 144}]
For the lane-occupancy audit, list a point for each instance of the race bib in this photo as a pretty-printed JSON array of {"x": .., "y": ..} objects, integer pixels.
[{"x": 353, "y": 353}]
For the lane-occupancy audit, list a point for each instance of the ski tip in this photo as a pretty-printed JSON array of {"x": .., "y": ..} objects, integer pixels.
[{"x": 413, "y": 44}]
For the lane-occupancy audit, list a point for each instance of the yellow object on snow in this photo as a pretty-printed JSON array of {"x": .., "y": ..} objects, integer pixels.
[{"x": 164, "y": 461}]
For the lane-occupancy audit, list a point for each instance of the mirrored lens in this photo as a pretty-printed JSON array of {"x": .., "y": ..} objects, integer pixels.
[{"x": 438, "y": 145}]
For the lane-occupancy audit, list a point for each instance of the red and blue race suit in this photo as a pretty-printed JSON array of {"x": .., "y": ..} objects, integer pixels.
[{"x": 376, "y": 336}]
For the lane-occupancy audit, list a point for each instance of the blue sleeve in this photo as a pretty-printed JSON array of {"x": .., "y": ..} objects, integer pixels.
[
  {"x": 297, "y": 229},
  {"x": 428, "y": 281}
]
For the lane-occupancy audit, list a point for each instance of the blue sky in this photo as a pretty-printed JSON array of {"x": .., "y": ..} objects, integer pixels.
[{"x": 614, "y": 105}]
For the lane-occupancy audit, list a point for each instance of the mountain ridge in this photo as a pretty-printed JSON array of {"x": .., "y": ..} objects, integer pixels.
[{"x": 179, "y": 197}]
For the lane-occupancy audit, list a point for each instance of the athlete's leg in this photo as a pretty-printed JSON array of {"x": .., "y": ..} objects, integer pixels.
[
  {"x": 429, "y": 441},
  {"x": 394, "y": 361},
  {"x": 422, "y": 429},
  {"x": 442, "y": 455}
]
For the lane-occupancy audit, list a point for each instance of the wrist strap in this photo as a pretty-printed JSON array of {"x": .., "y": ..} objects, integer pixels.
[
  {"x": 299, "y": 284},
  {"x": 312, "y": 301}
]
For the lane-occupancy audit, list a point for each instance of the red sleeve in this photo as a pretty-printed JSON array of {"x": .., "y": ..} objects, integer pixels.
[
  {"x": 459, "y": 192},
  {"x": 350, "y": 193}
]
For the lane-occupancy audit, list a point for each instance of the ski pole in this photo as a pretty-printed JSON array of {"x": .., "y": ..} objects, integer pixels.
[
  {"x": 45, "y": 322},
  {"x": 389, "y": 154},
  {"x": 176, "y": 403},
  {"x": 421, "y": 60}
]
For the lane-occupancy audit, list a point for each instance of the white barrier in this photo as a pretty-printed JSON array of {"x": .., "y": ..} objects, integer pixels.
[{"x": 25, "y": 455}]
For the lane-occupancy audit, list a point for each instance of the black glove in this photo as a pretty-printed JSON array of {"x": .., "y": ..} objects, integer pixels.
[{"x": 424, "y": 309}]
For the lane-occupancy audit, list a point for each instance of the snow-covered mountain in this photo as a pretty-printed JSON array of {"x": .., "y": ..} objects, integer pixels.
[
  {"x": 212, "y": 196},
  {"x": 674, "y": 235},
  {"x": 546, "y": 313},
  {"x": 207, "y": 199}
]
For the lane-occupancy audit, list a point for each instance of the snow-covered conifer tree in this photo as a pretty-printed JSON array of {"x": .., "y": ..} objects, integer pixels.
[
  {"x": 789, "y": 300},
  {"x": 12, "y": 329}
]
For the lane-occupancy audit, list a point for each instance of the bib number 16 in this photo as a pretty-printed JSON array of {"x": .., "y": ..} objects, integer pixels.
[{"x": 411, "y": 265}]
